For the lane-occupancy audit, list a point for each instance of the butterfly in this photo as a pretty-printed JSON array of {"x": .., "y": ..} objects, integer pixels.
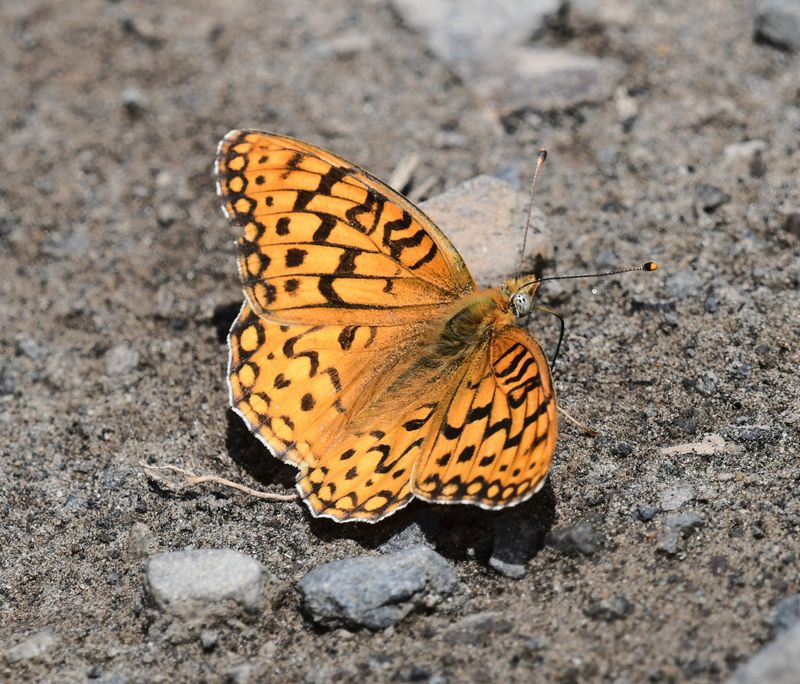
[{"x": 364, "y": 353}]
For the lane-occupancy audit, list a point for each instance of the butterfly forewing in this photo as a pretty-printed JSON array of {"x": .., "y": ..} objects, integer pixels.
[{"x": 323, "y": 241}]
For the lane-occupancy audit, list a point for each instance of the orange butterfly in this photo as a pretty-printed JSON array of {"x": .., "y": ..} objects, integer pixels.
[{"x": 364, "y": 353}]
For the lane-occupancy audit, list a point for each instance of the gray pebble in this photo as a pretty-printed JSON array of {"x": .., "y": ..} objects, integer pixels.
[
  {"x": 209, "y": 640},
  {"x": 8, "y": 380},
  {"x": 581, "y": 538},
  {"x": 711, "y": 197},
  {"x": 778, "y": 23},
  {"x": 197, "y": 582},
  {"x": 667, "y": 540},
  {"x": 647, "y": 513},
  {"x": 786, "y": 614},
  {"x": 410, "y": 536},
  {"x": 376, "y": 592},
  {"x": 477, "y": 628},
  {"x": 121, "y": 359},
  {"x": 134, "y": 101},
  {"x": 34, "y": 647},
  {"x": 613, "y": 608},
  {"x": 706, "y": 384},
  {"x": 30, "y": 348},
  {"x": 513, "y": 541},
  {"x": 777, "y": 663},
  {"x": 675, "y": 496}
]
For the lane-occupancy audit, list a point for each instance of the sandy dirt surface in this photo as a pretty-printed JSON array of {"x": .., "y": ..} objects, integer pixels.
[{"x": 119, "y": 284}]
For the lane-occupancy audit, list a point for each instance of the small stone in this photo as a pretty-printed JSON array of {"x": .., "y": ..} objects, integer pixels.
[
  {"x": 600, "y": 13},
  {"x": 675, "y": 496},
  {"x": 647, "y": 513},
  {"x": 8, "y": 380},
  {"x": 485, "y": 212},
  {"x": 478, "y": 628},
  {"x": 513, "y": 541},
  {"x": 710, "y": 445},
  {"x": 134, "y": 101},
  {"x": 792, "y": 224},
  {"x": 749, "y": 433},
  {"x": 711, "y": 304},
  {"x": 121, "y": 359},
  {"x": 706, "y": 384},
  {"x": 417, "y": 533},
  {"x": 786, "y": 614},
  {"x": 376, "y": 592},
  {"x": 30, "y": 348},
  {"x": 667, "y": 540},
  {"x": 711, "y": 197},
  {"x": 580, "y": 538},
  {"x": 209, "y": 640},
  {"x": 622, "y": 449},
  {"x": 687, "y": 521},
  {"x": 34, "y": 647},
  {"x": 610, "y": 609},
  {"x": 778, "y": 23},
  {"x": 204, "y": 581},
  {"x": 777, "y": 663}
]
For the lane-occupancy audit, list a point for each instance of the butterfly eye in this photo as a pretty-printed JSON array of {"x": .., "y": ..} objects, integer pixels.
[{"x": 520, "y": 303}]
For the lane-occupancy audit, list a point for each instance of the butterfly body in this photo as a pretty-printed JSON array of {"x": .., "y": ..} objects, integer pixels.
[{"x": 364, "y": 354}]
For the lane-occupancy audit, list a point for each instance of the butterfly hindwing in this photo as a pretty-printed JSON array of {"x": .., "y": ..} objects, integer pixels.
[
  {"x": 497, "y": 437},
  {"x": 324, "y": 241}
]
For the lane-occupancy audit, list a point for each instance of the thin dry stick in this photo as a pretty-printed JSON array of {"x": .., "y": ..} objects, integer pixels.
[
  {"x": 192, "y": 480},
  {"x": 585, "y": 429}
]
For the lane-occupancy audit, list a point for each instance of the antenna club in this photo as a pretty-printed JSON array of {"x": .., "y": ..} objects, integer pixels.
[
  {"x": 650, "y": 266},
  {"x": 542, "y": 154}
]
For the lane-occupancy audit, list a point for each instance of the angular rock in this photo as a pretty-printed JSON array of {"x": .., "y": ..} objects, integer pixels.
[
  {"x": 481, "y": 214},
  {"x": 514, "y": 537},
  {"x": 581, "y": 538},
  {"x": 204, "y": 581},
  {"x": 776, "y": 663},
  {"x": 32, "y": 648},
  {"x": 778, "y": 23},
  {"x": 667, "y": 540},
  {"x": 376, "y": 592}
]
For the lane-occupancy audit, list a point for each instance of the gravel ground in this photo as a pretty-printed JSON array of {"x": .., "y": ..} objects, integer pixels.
[{"x": 660, "y": 551}]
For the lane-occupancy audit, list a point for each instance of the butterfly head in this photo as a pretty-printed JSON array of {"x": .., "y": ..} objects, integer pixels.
[{"x": 520, "y": 296}]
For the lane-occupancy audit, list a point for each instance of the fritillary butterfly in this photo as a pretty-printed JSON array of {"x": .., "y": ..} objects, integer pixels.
[{"x": 364, "y": 353}]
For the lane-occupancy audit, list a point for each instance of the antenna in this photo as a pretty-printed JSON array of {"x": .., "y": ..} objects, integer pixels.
[
  {"x": 540, "y": 159},
  {"x": 647, "y": 266}
]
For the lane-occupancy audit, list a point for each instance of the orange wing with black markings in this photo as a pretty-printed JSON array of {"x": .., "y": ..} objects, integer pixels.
[
  {"x": 323, "y": 241},
  {"x": 497, "y": 436}
]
